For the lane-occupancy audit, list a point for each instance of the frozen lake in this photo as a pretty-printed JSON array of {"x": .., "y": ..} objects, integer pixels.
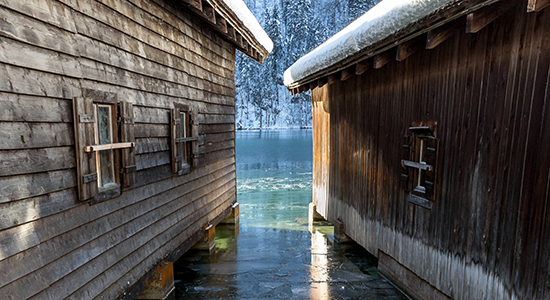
[{"x": 272, "y": 253}]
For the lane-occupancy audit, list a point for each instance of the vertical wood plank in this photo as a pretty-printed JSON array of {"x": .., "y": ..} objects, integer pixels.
[
  {"x": 127, "y": 135},
  {"x": 83, "y": 111}
]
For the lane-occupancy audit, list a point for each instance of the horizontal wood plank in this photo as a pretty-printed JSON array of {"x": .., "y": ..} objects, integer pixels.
[
  {"x": 145, "y": 161},
  {"x": 21, "y": 108},
  {"x": 35, "y": 135},
  {"x": 19, "y": 187},
  {"x": 17, "y": 162},
  {"x": 150, "y": 145},
  {"x": 20, "y": 212}
]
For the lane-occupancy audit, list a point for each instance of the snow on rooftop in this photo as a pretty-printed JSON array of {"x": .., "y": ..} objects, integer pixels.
[
  {"x": 383, "y": 20},
  {"x": 249, "y": 20}
]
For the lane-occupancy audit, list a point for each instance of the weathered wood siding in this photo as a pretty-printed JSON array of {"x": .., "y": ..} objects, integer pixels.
[
  {"x": 321, "y": 150},
  {"x": 487, "y": 235},
  {"x": 150, "y": 54}
]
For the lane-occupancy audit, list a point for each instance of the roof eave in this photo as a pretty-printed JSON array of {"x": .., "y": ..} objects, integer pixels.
[
  {"x": 225, "y": 22},
  {"x": 358, "y": 62}
]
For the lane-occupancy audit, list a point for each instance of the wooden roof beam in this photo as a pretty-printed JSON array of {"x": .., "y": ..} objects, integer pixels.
[
  {"x": 347, "y": 73},
  {"x": 333, "y": 78},
  {"x": 361, "y": 67},
  {"x": 478, "y": 19},
  {"x": 303, "y": 88},
  {"x": 231, "y": 32},
  {"x": 313, "y": 85},
  {"x": 221, "y": 24},
  {"x": 197, "y": 4},
  {"x": 239, "y": 39},
  {"x": 409, "y": 48},
  {"x": 209, "y": 12},
  {"x": 322, "y": 81},
  {"x": 382, "y": 59},
  {"x": 440, "y": 34},
  {"x": 537, "y": 5}
]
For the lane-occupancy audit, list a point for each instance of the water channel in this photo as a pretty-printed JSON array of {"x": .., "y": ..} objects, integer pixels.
[{"x": 272, "y": 253}]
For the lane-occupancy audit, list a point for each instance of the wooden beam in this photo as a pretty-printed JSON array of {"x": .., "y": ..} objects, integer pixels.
[
  {"x": 478, "y": 19},
  {"x": 239, "y": 39},
  {"x": 347, "y": 73},
  {"x": 313, "y": 85},
  {"x": 231, "y": 33},
  {"x": 537, "y": 5},
  {"x": 197, "y": 4},
  {"x": 209, "y": 12},
  {"x": 440, "y": 34},
  {"x": 221, "y": 24},
  {"x": 381, "y": 59},
  {"x": 361, "y": 67},
  {"x": 409, "y": 48},
  {"x": 303, "y": 88},
  {"x": 322, "y": 81},
  {"x": 109, "y": 147},
  {"x": 334, "y": 77}
]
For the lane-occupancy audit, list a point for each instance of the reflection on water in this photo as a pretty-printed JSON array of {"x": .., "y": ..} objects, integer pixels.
[{"x": 272, "y": 253}]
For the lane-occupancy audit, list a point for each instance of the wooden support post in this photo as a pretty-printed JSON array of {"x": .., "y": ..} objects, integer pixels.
[
  {"x": 339, "y": 234},
  {"x": 440, "y": 34},
  {"x": 313, "y": 215},
  {"x": 381, "y": 59},
  {"x": 233, "y": 217},
  {"x": 361, "y": 67},
  {"x": 537, "y": 5},
  {"x": 161, "y": 285},
  {"x": 482, "y": 17},
  {"x": 409, "y": 48},
  {"x": 208, "y": 242}
]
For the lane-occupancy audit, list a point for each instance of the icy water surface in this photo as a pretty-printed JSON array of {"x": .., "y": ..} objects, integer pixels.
[{"x": 272, "y": 253}]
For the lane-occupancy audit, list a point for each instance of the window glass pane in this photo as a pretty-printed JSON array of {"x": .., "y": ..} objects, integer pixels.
[
  {"x": 104, "y": 124},
  {"x": 103, "y": 135},
  {"x": 183, "y": 122},
  {"x": 106, "y": 167}
]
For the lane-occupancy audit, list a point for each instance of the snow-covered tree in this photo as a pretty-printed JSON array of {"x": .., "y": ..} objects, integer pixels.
[{"x": 296, "y": 27}]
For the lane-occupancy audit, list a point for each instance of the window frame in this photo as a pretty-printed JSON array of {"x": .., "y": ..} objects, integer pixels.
[
  {"x": 184, "y": 164},
  {"x": 112, "y": 189},
  {"x": 86, "y": 110},
  {"x": 420, "y": 163}
]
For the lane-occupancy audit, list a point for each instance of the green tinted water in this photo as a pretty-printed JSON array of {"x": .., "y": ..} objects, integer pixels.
[{"x": 272, "y": 253}]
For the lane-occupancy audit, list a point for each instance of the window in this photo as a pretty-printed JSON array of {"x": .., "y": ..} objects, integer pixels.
[
  {"x": 104, "y": 142},
  {"x": 103, "y": 131},
  {"x": 419, "y": 164},
  {"x": 185, "y": 149}
]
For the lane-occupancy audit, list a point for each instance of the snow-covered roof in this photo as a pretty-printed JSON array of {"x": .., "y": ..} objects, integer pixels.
[
  {"x": 241, "y": 11},
  {"x": 383, "y": 20}
]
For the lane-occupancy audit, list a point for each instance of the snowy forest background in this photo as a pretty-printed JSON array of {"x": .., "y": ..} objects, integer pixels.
[{"x": 296, "y": 27}]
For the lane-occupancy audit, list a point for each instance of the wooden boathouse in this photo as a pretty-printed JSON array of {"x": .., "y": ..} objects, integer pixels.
[
  {"x": 431, "y": 137},
  {"x": 117, "y": 143}
]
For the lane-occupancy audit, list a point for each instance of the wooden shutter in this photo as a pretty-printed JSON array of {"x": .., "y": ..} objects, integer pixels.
[
  {"x": 175, "y": 125},
  {"x": 194, "y": 116},
  {"x": 432, "y": 153},
  {"x": 83, "y": 112},
  {"x": 127, "y": 135}
]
